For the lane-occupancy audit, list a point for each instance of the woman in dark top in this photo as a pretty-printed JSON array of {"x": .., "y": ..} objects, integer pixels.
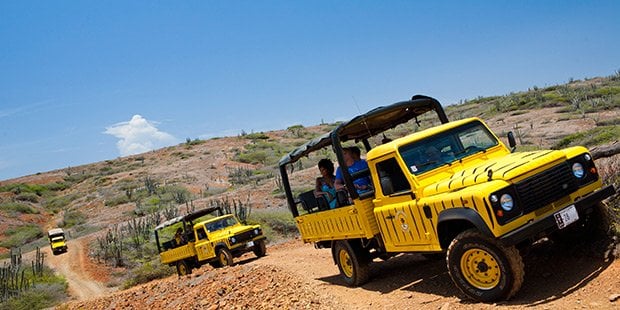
[{"x": 325, "y": 184}]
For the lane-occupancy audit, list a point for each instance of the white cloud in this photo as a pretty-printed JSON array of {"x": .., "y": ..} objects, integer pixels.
[{"x": 138, "y": 136}]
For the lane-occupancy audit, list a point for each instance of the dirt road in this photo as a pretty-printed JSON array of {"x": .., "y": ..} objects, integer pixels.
[
  {"x": 297, "y": 276},
  {"x": 77, "y": 268},
  {"x": 556, "y": 277}
]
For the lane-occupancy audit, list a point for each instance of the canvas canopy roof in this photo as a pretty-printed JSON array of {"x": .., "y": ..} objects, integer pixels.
[
  {"x": 189, "y": 217},
  {"x": 55, "y": 231},
  {"x": 369, "y": 124}
]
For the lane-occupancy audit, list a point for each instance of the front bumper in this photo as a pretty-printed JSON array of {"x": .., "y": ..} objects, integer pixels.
[{"x": 548, "y": 225}]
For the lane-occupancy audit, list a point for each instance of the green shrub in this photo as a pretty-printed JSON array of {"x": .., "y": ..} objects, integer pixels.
[
  {"x": 147, "y": 272},
  {"x": 19, "y": 188},
  {"x": 117, "y": 200},
  {"x": 48, "y": 291},
  {"x": 55, "y": 204},
  {"x": 57, "y": 186},
  {"x": 18, "y": 207},
  {"x": 31, "y": 197},
  {"x": 17, "y": 236},
  {"x": 592, "y": 137},
  {"x": 257, "y": 157},
  {"x": 256, "y": 136},
  {"x": 72, "y": 218},
  {"x": 277, "y": 224},
  {"x": 76, "y": 178}
]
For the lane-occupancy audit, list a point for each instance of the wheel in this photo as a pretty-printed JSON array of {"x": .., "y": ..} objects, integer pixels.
[
  {"x": 260, "y": 249},
  {"x": 352, "y": 262},
  {"x": 482, "y": 268},
  {"x": 224, "y": 257},
  {"x": 183, "y": 268}
]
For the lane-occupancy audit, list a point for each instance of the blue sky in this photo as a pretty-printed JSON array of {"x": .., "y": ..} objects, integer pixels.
[{"x": 86, "y": 81}]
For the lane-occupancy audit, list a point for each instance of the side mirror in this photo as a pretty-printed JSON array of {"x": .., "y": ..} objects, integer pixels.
[{"x": 511, "y": 141}]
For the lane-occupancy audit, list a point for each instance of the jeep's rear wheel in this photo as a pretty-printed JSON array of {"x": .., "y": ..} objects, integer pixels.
[
  {"x": 183, "y": 268},
  {"x": 260, "y": 249},
  {"x": 224, "y": 257},
  {"x": 484, "y": 269},
  {"x": 352, "y": 262}
]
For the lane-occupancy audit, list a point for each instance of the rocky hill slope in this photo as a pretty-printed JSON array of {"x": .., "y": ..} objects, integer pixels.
[{"x": 86, "y": 200}]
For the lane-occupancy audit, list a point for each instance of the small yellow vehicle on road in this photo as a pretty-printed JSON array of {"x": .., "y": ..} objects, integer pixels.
[
  {"x": 454, "y": 188},
  {"x": 202, "y": 237},
  {"x": 57, "y": 240}
]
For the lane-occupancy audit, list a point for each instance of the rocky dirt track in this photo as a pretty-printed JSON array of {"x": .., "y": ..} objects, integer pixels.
[
  {"x": 83, "y": 276},
  {"x": 297, "y": 276}
]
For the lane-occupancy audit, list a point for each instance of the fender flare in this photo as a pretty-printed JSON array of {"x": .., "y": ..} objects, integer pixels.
[
  {"x": 460, "y": 215},
  {"x": 219, "y": 245}
]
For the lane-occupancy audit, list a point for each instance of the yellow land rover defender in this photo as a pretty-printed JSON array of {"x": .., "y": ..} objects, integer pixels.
[
  {"x": 57, "y": 240},
  {"x": 454, "y": 188},
  {"x": 201, "y": 237}
]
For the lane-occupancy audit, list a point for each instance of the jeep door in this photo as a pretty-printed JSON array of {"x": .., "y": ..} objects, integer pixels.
[
  {"x": 402, "y": 222},
  {"x": 204, "y": 247}
]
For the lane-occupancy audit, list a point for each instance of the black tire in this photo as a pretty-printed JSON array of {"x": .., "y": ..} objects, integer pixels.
[
  {"x": 260, "y": 249},
  {"x": 183, "y": 268},
  {"x": 353, "y": 263},
  {"x": 223, "y": 257},
  {"x": 484, "y": 269}
]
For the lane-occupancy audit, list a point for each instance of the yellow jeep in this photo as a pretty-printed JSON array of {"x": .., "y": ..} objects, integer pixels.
[
  {"x": 57, "y": 240},
  {"x": 454, "y": 188},
  {"x": 200, "y": 237}
]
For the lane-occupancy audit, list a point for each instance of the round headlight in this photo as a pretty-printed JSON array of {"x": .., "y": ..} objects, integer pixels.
[
  {"x": 506, "y": 202},
  {"x": 578, "y": 171},
  {"x": 256, "y": 231},
  {"x": 233, "y": 240}
]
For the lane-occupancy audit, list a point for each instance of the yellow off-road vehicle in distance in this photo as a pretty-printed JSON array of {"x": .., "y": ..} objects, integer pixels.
[
  {"x": 454, "y": 188},
  {"x": 202, "y": 237},
  {"x": 58, "y": 243}
]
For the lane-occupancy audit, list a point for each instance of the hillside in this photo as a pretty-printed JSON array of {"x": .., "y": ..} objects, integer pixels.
[{"x": 240, "y": 171}]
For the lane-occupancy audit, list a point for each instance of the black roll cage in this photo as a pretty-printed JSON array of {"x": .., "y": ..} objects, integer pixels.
[{"x": 359, "y": 128}]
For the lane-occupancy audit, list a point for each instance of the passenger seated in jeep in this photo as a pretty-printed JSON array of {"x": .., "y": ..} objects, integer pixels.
[
  {"x": 179, "y": 238},
  {"x": 325, "y": 183},
  {"x": 352, "y": 158}
]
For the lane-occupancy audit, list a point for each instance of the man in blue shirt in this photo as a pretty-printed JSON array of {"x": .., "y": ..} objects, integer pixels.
[{"x": 352, "y": 158}]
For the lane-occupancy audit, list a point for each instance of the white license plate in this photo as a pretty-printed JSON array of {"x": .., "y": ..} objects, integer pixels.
[
  {"x": 566, "y": 216},
  {"x": 250, "y": 244}
]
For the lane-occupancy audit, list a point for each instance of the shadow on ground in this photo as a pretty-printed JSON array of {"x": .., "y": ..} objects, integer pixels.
[{"x": 552, "y": 271}]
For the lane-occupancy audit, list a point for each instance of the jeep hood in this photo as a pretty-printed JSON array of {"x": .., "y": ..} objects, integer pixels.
[
  {"x": 233, "y": 231},
  {"x": 58, "y": 244},
  {"x": 503, "y": 168}
]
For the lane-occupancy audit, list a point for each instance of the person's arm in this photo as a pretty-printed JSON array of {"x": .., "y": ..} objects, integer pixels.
[
  {"x": 317, "y": 188},
  {"x": 338, "y": 182}
]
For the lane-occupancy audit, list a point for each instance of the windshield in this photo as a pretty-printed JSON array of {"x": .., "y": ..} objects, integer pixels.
[
  {"x": 447, "y": 147},
  {"x": 56, "y": 239},
  {"x": 221, "y": 223}
]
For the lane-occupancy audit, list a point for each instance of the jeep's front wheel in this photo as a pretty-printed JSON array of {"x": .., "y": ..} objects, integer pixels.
[
  {"x": 260, "y": 249},
  {"x": 484, "y": 269},
  {"x": 183, "y": 268},
  {"x": 352, "y": 262},
  {"x": 224, "y": 257}
]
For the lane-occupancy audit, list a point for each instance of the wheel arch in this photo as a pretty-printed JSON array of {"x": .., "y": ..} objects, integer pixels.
[
  {"x": 220, "y": 245},
  {"x": 355, "y": 243},
  {"x": 452, "y": 222}
]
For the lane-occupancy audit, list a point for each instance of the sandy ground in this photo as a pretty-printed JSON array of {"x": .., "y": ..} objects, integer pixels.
[
  {"x": 79, "y": 271},
  {"x": 296, "y": 276}
]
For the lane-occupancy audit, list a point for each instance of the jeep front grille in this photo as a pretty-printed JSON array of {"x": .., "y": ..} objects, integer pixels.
[
  {"x": 546, "y": 187},
  {"x": 243, "y": 237}
]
